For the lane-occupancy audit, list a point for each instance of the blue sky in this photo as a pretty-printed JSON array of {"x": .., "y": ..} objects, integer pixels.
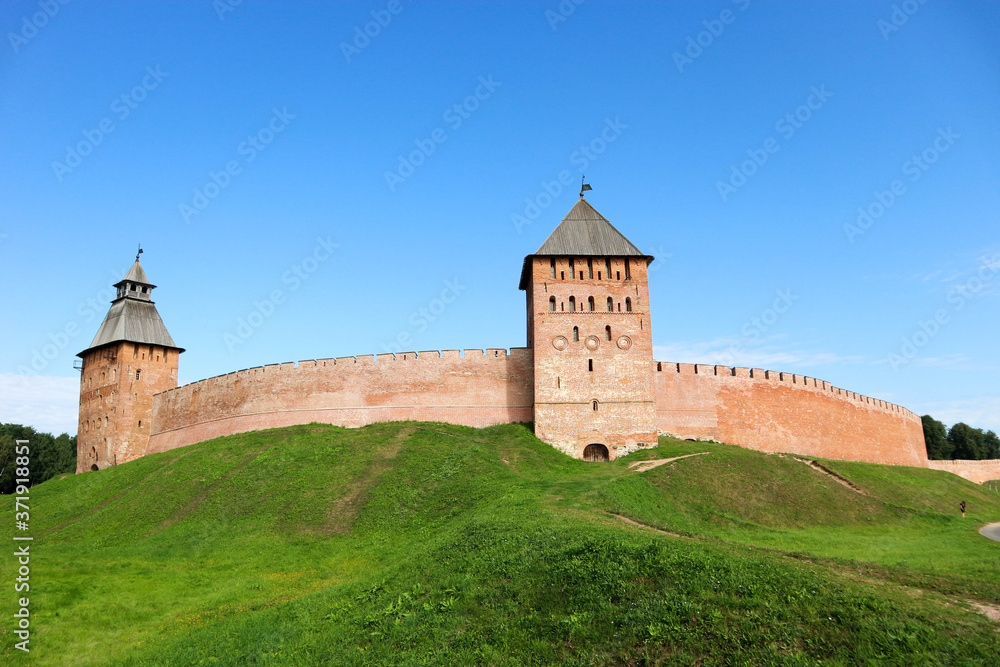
[{"x": 267, "y": 147}]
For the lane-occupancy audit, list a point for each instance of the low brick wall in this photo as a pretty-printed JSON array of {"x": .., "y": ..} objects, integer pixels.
[
  {"x": 475, "y": 389},
  {"x": 974, "y": 471}
]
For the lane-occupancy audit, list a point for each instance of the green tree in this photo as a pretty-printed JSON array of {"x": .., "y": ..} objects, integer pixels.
[
  {"x": 992, "y": 445},
  {"x": 49, "y": 456},
  {"x": 936, "y": 439},
  {"x": 968, "y": 443}
]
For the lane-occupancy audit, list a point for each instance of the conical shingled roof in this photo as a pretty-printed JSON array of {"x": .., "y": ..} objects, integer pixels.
[
  {"x": 136, "y": 275},
  {"x": 583, "y": 233},
  {"x": 132, "y": 319}
]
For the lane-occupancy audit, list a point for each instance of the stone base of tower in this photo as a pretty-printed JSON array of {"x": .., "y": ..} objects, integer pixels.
[{"x": 621, "y": 428}]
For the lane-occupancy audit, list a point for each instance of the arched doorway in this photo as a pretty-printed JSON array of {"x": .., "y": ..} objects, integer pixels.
[
  {"x": 94, "y": 467},
  {"x": 595, "y": 452}
]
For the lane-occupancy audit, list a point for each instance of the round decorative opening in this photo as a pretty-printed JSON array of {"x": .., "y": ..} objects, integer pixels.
[
  {"x": 624, "y": 342},
  {"x": 593, "y": 342},
  {"x": 560, "y": 343}
]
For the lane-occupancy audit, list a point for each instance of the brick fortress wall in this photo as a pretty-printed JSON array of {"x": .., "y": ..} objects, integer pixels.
[
  {"x": 477, "y": 389},
  {"x": 782, "y": 412}
]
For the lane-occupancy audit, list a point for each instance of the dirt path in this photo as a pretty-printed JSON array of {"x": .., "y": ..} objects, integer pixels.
[
  {"x": 991, "y": 530},
  {"x": 643, "y": 466}
]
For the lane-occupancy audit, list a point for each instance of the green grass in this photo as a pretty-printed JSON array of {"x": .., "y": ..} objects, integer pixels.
[{"x": 430, "y": 544}]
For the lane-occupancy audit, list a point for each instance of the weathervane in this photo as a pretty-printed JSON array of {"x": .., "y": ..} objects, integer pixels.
[
  {"x": 584, "y": 186},
  {"x": 138, "y": 253}
]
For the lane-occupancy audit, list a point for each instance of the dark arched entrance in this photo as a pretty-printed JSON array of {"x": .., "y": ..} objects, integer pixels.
[
  {"x": 595, "y": 452},
  {"x": 94, "y": 467}
]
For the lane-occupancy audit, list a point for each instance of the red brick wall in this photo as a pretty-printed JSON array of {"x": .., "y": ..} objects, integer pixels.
[
  {"x": 475, "y": 390},
  {"x": 974, "y": 471},
  {"x": 565, "y": 387},
  {"x": 782, "y": 412},
  {"x": 115, "y": 407}
]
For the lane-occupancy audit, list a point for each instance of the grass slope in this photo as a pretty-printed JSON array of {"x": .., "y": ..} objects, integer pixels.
[{"x": 430, "y": 544}]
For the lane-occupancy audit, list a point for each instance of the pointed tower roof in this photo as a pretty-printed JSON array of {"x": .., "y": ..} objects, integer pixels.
[
  {"x": 133, "y": 317},
  {"x": 583, "y": 233},
  {"x": 136, "y": 275}
]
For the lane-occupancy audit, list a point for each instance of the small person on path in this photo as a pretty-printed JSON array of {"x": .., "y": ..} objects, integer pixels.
[{"x": 962, "y": 505}]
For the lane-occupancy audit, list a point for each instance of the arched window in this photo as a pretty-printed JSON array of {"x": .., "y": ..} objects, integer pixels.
[
  {"x": 607, "y": 330},
  {"x": 572, "y": 303},
  {"x": 590, "y": 303},
  {"x": 628, "y": 304},
  {"x": 552, "y": 304},
  {"x": 552, "y": 268},
  {"x": 611, "y": 304},
  {"x": 576, "y": 334},
  {"x": 594, "y": 404}
]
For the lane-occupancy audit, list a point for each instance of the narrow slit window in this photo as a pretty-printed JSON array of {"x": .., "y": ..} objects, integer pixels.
[
  {"x": 607, "y": 267},
  {"x": 618, "y": 275},
  {"x": 607, "y": 331},
  {"x": 138, "y": 374},
  {"x": 576, "y": 334},
  {"x": 552, "y": 267},
  {"x": 628, "y": 272},
  {"x": 628, "y": 304},
  {"x": 590, "y": 269},
  {"x": 595, "y": 406},
  {"x": 572, "y": 268},
  {"x": 590, "y": 364}
]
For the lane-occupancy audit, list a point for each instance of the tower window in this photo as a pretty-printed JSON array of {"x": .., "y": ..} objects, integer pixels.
[
  {"x": 562, "y": 275},
  {"x": 572, "y": 269},
  {"x": 590, "y": 303},
  {"x": 598, "y": 275},
  {"x": 590, "y": 364},
  {"x": 562, "y": 306},
  {"x": 628, "y": 272},
  {"x": 552, "y": 304},
  {"x": 607, "y": 266},
  {"x": 611, "y": 304},
  {"x": 572, "y": 303},
  {"x": 576, "y": 334},
  {"x": 619, "y": 306},
  {"x": 594, "y": 404},
  {"x": 590, "y": 269},
  {"x": 628, "y": 304},
  {"x": 552, "y": 267},
  {"x": 618, "y": 275},
  {"x": 138, "y": 374},
  {"x": 607, "y": 331}
]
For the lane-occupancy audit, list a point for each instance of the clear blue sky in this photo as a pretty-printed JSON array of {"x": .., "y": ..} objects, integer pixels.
[{"x": 832, "y": 100}]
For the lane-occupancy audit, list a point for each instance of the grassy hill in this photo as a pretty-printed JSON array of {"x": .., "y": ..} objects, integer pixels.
[{"x": 430, "y": 544}]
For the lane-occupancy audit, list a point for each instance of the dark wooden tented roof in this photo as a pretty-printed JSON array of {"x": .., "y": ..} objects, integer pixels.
[
  {"x": 583, "y": 233},
  {"x": 133, "y": 317}
]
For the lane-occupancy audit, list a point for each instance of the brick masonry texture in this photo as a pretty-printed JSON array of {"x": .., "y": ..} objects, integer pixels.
[
  {"x": 116, "y": 406},
  {"x": 782, "y": 412},
  {"x": 974, "y": 471},
  {"x": 477, "y": 389}
]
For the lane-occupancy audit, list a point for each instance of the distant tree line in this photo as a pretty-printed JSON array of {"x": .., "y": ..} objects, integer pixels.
[
  {"x": 961, "y": 441},
  {"x": 49, "y": 455}
]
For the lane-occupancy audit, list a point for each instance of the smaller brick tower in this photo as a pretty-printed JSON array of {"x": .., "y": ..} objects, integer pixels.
[
  {"x": 588, "y": 324},
  {"x": 131, "y": 358}
]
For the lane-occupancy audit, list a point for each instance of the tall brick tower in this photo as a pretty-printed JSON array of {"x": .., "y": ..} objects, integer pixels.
[
  {"x": 588, "y": 324},
  {"x": 131, "y": 358}
]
